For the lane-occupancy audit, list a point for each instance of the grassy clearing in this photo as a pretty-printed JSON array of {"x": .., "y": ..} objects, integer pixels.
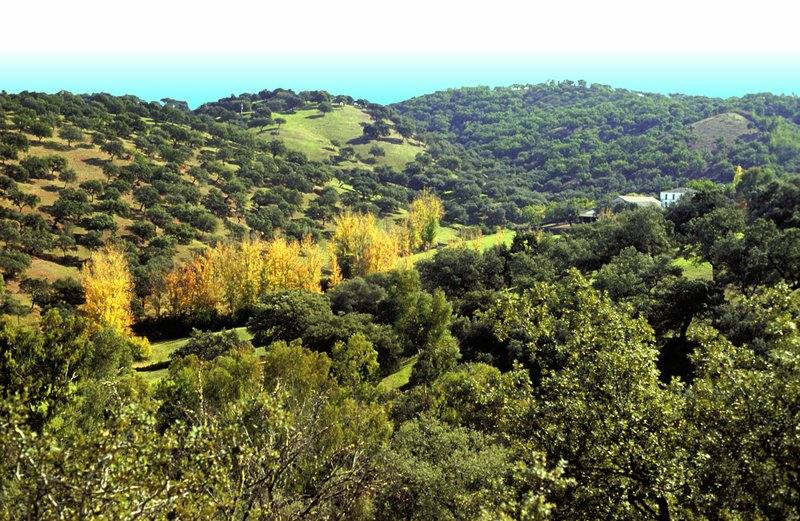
[
  {"x": 482, "y": 243},
  {"x": 313, "y": 134},
  {"x": 400, "y": 377},
  {"x": 729, "y": 126},
  {"x": 695, "y": 269},
  {"x": 161, "y": 351},
  {"x": 45, "y": 269}
]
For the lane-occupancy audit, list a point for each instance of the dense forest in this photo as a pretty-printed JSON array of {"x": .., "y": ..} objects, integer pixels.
[
  {"x": 201, "y": 321},
  {"x": 514, "y": 145}
]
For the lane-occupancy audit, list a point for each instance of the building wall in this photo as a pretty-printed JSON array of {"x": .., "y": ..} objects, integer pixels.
[{"x": 669, "y": 198}]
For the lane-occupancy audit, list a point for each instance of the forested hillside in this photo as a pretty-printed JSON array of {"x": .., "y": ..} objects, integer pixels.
[
  {"x": 199, "y": 321},
  {"x": 81, "y": 172},
  {"x": 514, "y": 144}
]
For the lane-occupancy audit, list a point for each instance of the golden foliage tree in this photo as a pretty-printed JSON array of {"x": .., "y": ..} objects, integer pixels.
[
  {"x": 333, "y": 265},
  {"x": 231, "y": 277},
  {"x": 362, "y": 247},
  {"x": 738, "y": 175},
  {"x": 108, "y": 285},
  {"x": 424, "y": 215},
  {"x": 189, "y": 289}
]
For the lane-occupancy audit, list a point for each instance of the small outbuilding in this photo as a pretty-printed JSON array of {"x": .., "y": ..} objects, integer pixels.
[{"x": 588, "y": 216}]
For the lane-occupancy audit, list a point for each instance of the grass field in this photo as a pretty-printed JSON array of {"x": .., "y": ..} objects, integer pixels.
[
  {"x": 313, "y": 134},
  {"x": 162, "y": 350},
  {"x": 399, "y": 378},
  {"x": 481, "y": 243},
  {"x": 728, "y": 126},
  {"x": 694, "y": 268}
]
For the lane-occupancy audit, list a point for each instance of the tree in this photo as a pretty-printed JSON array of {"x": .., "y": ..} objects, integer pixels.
[
  {"x": 324, "y": 107},
  {"x": 209, "y": 345},
  {"x": 22, "y": 199},
  {"x": 276, "y": 146},
  {"x": 8, "y": 304},
  {"x": 534, "y": 214},
  {"x": 362, "y": 247},
  {"x": 740, "y": 415},
  {"x": 376, "y": 130},
  {"x": 41, "y": 129},
  {"x": 423, "y": 219},
  {"x": 436, "y": 470},
  {"x": 43, "y": 364},
  {"x": 146, "y": 196},
  {"x": 594, "y": 369},
  {"x": 67, "y": 175},
  {"x": 405, "y": 127},
  {"x": 13, "y": 262},
  {"x": 8, "y": 152},
  {"x": 71, "y": 205},
  {"x": 108, "y": 285},
  {"x": 70, "y": 133},
  {"x": 114, "y": 148},
  {"x": 355, "y": 361},
  {"x": 286, "y": 315},
  {"x": 425, "y": 327}
]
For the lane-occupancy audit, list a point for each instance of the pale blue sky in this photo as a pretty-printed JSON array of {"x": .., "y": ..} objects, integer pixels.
[{"x": 389, "y": 51}]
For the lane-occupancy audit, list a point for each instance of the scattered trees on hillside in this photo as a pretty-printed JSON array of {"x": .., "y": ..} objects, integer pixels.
[{"x": 70, "y": 134}]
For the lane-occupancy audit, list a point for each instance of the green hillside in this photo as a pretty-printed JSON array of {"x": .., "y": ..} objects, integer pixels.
[
  {"x": 81, "y": 172},
  {"x": 641, "y": 365},
  {"x": 513, "y": 146},
  {"x": 322, "y": 136}
]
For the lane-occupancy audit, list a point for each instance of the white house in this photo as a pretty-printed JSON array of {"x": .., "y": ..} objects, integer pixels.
[{"x": 670, "y": 197}]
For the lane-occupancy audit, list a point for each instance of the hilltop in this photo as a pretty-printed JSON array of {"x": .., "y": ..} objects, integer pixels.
[
  {"x": 581, "y": 140},
  {"x": 323, "y": 127},
  {"x": 727, "y": 127}
]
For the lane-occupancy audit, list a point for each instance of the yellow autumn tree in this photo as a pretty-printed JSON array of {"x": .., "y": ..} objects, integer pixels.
[
  {"x": 232, "y": 277},
  {"x": 362, "y": 247},
  {"x": 335, "y": 277},
  {"x": 424, "y": 216},
  {"x": 738, "y": 175},
  {"x": 190, "y": 289},
  {"x": 108, "y": 285},
  {"x": 292, "y": 264}
]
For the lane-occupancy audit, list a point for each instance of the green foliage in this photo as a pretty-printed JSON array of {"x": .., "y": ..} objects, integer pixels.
[
  {"x": 355, "y": 361},
  {"x": 208, "y": 346},
  {"x": 572, "y": 376},
  {"x": 43, "y": 365},
  {"x": 438, "y": 471},
  {"x": 425, "y": 326}
]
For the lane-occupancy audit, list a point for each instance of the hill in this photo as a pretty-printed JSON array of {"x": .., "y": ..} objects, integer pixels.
[
  {"x": 513, "y": 144},
  {"x": 324, "y": 127},
  {"x": 81, "y": 171},
  {"x": 322, "y": 136},
  {"x": 727, "y": 127}
]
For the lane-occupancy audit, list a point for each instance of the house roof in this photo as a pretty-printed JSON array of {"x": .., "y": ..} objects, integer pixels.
[
  {"x": 640, "y": 200},
  {"x": 588, "y": 213},
  {"x": 680, "y": 190}
]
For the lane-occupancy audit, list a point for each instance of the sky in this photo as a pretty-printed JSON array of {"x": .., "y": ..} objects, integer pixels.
[{"x": 389, "y": 51}]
